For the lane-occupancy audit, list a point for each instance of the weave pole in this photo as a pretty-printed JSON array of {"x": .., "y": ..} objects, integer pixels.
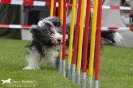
[
  {"x": 92, "y": 48},
  {"x": 76, "y": 42},
  {"x": 80, "y": 42},
  {"x": 85, "y": 47},
  {"x": 64, "y": 38},
  {"x": 61, "y": 9},
  {"x": 61, "y": 64},
  {"x": 98, "y": 44},
  {"x": 52, "y": 8},
  {"x": 53, "y": 13},
  {"x": 71, "y": 39},
  {"x": 60, "y": 55}
]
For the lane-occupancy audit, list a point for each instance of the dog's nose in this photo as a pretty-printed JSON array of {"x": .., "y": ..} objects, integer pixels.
[{"x": 59, "y": 40}]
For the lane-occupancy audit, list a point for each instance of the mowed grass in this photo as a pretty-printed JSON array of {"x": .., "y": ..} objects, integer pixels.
[
  {"x": 116, "y": 70},
  {"x": 116, "y": 67},
  {"x": 12, "y": 60}
]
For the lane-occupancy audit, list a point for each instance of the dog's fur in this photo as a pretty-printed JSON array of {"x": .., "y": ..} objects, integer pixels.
[{"x": 47, "y": 41}]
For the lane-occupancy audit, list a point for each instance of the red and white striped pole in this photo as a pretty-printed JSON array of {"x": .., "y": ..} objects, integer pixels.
[
  {"x": 15, "y": 26},
  {"x": 43, "y": 3},
  {"x": 28, "y": 26}
]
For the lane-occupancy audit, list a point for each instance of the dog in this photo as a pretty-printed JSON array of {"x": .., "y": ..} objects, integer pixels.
[
  {"x": 47, "y": 42},
  {"x": 6, "y": 81}
]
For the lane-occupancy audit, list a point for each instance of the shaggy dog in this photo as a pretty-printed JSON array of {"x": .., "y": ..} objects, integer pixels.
[{"x": 47, "y": 41}]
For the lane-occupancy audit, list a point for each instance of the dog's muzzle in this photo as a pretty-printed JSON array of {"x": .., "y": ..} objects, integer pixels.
[{"x": 59, "y": 40}]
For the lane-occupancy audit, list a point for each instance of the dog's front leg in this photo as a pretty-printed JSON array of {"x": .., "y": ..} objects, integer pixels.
[
  {"x": 33, "y": 59},
  {"x": 50, "y": 57}
]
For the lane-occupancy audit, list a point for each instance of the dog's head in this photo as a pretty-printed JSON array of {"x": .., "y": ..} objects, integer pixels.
[{"x": 48, "y": 31}]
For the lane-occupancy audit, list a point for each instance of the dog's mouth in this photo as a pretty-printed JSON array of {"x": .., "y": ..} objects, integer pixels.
[
  {"x": 59, "y": 40},
  {"x": 56, "y": 41}
]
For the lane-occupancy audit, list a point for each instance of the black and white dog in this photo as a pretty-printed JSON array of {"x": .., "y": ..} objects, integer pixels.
[{"x": 47, "y": 41}]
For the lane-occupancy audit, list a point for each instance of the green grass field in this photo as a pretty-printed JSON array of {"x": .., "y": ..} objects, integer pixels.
[{"x": 116, "y": 69}]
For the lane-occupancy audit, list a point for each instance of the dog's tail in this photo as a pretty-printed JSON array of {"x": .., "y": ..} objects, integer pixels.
[{"x": 111, "y": 37}]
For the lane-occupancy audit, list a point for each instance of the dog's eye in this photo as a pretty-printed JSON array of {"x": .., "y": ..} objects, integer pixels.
[
  {"x": 52, "y": 33},
  {"x": 60, "y": 31}
]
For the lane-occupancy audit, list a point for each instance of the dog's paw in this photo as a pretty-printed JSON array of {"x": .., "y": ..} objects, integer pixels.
[{"x": 31, "y": 68}]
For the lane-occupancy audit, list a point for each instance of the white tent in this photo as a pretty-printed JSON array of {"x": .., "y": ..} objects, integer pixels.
[{"x": 112, "y": 18}]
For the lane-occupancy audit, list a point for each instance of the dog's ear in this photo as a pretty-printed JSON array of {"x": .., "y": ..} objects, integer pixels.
[
  {"x": 48, "y": 24},
  {"x": 34, "y": 29},
  {"x": 56, "y": 21}
]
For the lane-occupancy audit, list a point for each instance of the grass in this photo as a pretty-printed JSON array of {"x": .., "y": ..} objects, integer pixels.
[
  {"x": 116, "y": 69},
  {"x": 12, "y": 60}
]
